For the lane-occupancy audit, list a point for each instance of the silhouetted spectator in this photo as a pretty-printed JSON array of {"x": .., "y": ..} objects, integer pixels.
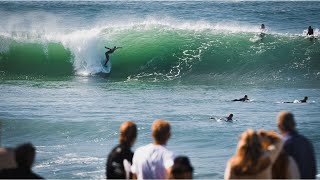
[
  {"x": 24, "y": 155},
  {"x": 181, "y": 168},
  {"x": 297, "y": 146},
  {"x": 120, "y": 158}
]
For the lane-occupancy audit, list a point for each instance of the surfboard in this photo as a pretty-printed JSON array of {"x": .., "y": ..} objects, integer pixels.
[
  {"x": 256, "y": 38},
  {"x": 106, "y": 68}
]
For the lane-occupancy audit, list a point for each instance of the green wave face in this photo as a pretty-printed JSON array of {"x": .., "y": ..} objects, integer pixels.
[
  {"x": 163, "y": 52},
  {"x": 36, "y": 59}
]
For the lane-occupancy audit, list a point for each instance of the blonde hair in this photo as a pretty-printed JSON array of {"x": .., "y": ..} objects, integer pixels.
[
  {"x": 249, "y": 158},
  {"x": 128, "y": 133},
  {"x": 161, "y": 131},
  {"x": 280, "y": 166}
]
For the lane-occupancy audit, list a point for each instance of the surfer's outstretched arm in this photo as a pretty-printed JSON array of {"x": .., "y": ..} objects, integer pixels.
[{"x": 107, "y": 47}]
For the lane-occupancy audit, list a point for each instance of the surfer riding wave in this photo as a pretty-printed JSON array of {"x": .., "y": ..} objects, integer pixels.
[{"x": 110, "y": 51}]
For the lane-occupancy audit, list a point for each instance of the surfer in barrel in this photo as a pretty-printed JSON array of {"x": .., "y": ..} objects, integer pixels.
[{"x": 110, "y": 51}]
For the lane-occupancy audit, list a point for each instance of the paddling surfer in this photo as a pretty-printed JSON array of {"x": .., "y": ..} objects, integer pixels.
[{"x": 245, "y": 98}]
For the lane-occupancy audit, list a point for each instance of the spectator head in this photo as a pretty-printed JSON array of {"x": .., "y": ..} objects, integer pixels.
[
  {"x": 128, "y": 133},
  {"x": 161, "y": 131},
  {"x": 181, "y": 168},
  {"x": 24, "y": 155},
  {"x": 249, "y": 145},
  {"x": 286, "y": 122},
  {"x": 249, "y": 157}
]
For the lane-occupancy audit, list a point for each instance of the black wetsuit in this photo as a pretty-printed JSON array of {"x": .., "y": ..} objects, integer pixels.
[
  {"x": 303, "y": 101},
  {"x": 107, "y": 54},
  {"x": 114, "y": 165},
  {"x": 19, "y": 173},
  {"x": 310, "y": 31},
  {"x": 242, "y": 99}
]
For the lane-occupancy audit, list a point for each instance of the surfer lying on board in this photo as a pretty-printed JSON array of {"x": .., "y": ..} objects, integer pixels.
[
  {"x": 299, "y": 101},
  {"x": 227, "y": 118},
  {"x": 245, "y": 98},
  {"x": 110, "y": 51}
]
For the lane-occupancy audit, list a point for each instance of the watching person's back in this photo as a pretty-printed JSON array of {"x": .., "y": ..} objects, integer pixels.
[
  {"x": 120, "y": 158},
  {"x": 151, "y": 161},
  {"x": 115, "y": 167},
  {"x": 19, "y": 173},
  {"x": 297, "y": 146},
  {"x": 24, "y": 156},
  {"x": 302, "y": 152}
]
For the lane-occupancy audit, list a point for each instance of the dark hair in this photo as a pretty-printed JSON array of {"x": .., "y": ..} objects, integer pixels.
[
  {"x": 181, "y": 166},
  {"x": 24, "y": 155}
]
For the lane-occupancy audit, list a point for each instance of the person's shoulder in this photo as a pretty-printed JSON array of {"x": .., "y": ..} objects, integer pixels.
[
  {"x": 35, "y": 176},
  {"x": 300, "y": 137},
  {"x": 116, "y": 152},
  {"x": 306, "y": 141},
  {"x": 116, "y": 148},
  {"x": 143, "y": 148}
]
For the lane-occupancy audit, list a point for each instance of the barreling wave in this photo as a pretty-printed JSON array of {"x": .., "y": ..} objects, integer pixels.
[{"x": 155, "y": 50}]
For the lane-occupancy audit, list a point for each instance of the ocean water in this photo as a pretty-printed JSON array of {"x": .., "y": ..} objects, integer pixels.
[{"x": 183, "y": 61}]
